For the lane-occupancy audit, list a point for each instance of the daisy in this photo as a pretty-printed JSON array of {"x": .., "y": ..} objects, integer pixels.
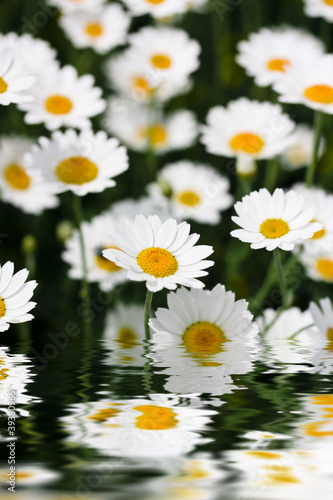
[
  {"x": 62, "y": 98},
  {"x": 193, "y": 190},
  {"x": 24, "y": 190},
  {"x": 244, "y": 127},
  {"x": 129, "y": 77},
  {"x": 317, "y": 197},
  {"x": 79, "y": 162},
  {"x": 318, "y": 262},
  {"x": 77, "y": 5},
  {"x": 323, "y": 319},
  {"x": 101, "y": 30},
  {"x": 15, "y": 79},
  {"x": 319, "y": 8},
  {"x": 271, "y": 53},
  {"x": 129, "y": 208},
  {"x": 162, "y": 254},
  {"x": 157, "y": 8},
  {"x": 309, "y": 84},
  {"x": 15, "y": 294},
  {"x": 299, "y": 153},
  {"x": 132, "y": 125},
  {"x": 275, "y": 220},
  {"x": 202, "y": 338},
  {"x": 29, "y": 475},
  {"x": 99, "y": 269},
  {"x": 166, "y": 54}
]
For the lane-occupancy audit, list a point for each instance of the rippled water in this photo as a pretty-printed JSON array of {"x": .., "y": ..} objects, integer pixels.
[{"x": 109, "y": 419}]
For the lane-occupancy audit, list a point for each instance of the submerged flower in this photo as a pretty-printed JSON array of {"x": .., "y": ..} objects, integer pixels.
[
  {"x": 162, "y": 254},
  {"x": 309, "y": 83},
  {"x": 244, "y": 127},
  {"x": 29, "y": 475},
  {"x": 193, "y": 191},
  {"x": 15, "y": 79},
  {"x": 275, "y": 220},
  {"x": 102, "y": 30},
  {"x": 15, "y": 294},
  {"x": 62, "y": 98},
  {"x": 82, "y": 163},
  {"x": 269, "y": 54}
]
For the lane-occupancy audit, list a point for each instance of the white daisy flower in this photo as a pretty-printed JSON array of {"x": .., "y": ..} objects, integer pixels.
[
  {"x": 157, "y": 8},
  {"x": 319, "y": 8},
  {"x": 166, "y": 54},
  {"x": 197, "y": 5},
  {"x": 309, "y": 84},
  {"x": 318, "y": 262},
  {"x": 270, "y": 53},
  {"x": 323, "y": 319},
  {"x": 15, "y": 294},
  {"x": 162, "y": 254},
  {"x": 15, "y": 79},
  {"x": 317, "y": 197},
  {"x": 129, "y": 77},
  {"x": 193, "y": 190},
  {"x": 62, "y": 98},
  {"x": 77, "y": 5},
  {"x": 299, "y": 153},
  {"x": 29, "y": 475},
  {"x": 79, "y": 162},
  {"x": 37, "y": 55},
  {"x": 24, "y": 190},
  {"x": 244, "y": 127},
  {"x": 275, "y": 220},
  {"x": 132, "y": 125},
  {"x": 102, "y": 30},
  {"x": 99, "y": 269}
]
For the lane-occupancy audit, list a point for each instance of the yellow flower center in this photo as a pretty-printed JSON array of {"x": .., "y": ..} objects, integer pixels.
[
  {"x": 106, "y": 264},
  {"x": 2, "y": 307},
  {"x": 329, "y": 334},
  {"x": 318, "y": 234},
  {"x": 325, "y": 268},
  {"x": 324, "y": 399},
  {"x": 204, "y": 338},
  {"x": 269, "y": 455},
  {"x": 24, "y": 475},
  {"x": 76, "y": 170},
  {"x": 314, "y": 429},
  {"x": 142, "y": 84},
  {"x": 3, "y": 86},
  {"x": 161, "y": 61},
  {"x": 281, "y": 478},
  {"x": 3, "y": 369},
  {"x": 274, "y": 228},
  {"x": 127, "y": 338},
  {"x": 104, "y": 414},
  {"x": 157, "y": 262},
  {"x": 278, "y": 65},
  {"x": 94, "y": 29},
  {"x": 194, "y": 471},
  {"x": 155, "y": 2},
  {"x": 320, "y": 93},
  {"x": 17, "y": 177},
  {"x": 189, "y": 198},
  {"x": 155, "y": 418},
  {"x": 247, "y": 143},
  {"x": 328, "y": 2},
  {"x": 58, "y": 105}
]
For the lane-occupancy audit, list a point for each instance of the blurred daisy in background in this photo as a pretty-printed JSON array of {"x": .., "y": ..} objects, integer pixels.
[
  {"x": 275, "y": 220},
  {"x": 82, "y": 163},
  {"x": 24, "y": 190},
  {"x": 62, "y": 98},
  {"x": 77, "y": 5},
  {"x": 157, "y": 8},
  {"x": 162, "y": 254},
  {"x": 15, "y": 79},
  {"x": 319, "y": 8},
  {"x": 99, "y": 269},
  {"x": 269, "y": 54},
  {"x": 245, "y": 127},
  {"x": 167, "y": 55},
  {"x": 197, "y": 5},
  {"x": 193, "y": 191},
  {"x": 299, "y": 153},
  {"x": 318, "y": 262},
  {"x": 130, "y": 208},
  {"x": 15, "y": 295},
  {"x": 129, "y": 77},
  {"x": 309, "y": 83},
  {"x": 133, "y": 126},
  {"x": 323, "y": 319},
  {"x": 102, "y": 30}
]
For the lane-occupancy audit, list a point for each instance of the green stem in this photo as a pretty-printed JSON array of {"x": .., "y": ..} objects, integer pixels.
[
  {"x": 281, "y": 277},
  {"x": 149, "y": 298},
  {"x": 151, "y": 157},
  {"x": 271, "y": 174},
  {"x": 77, "y": 207},
  {"x": 318, "y": 126}
]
